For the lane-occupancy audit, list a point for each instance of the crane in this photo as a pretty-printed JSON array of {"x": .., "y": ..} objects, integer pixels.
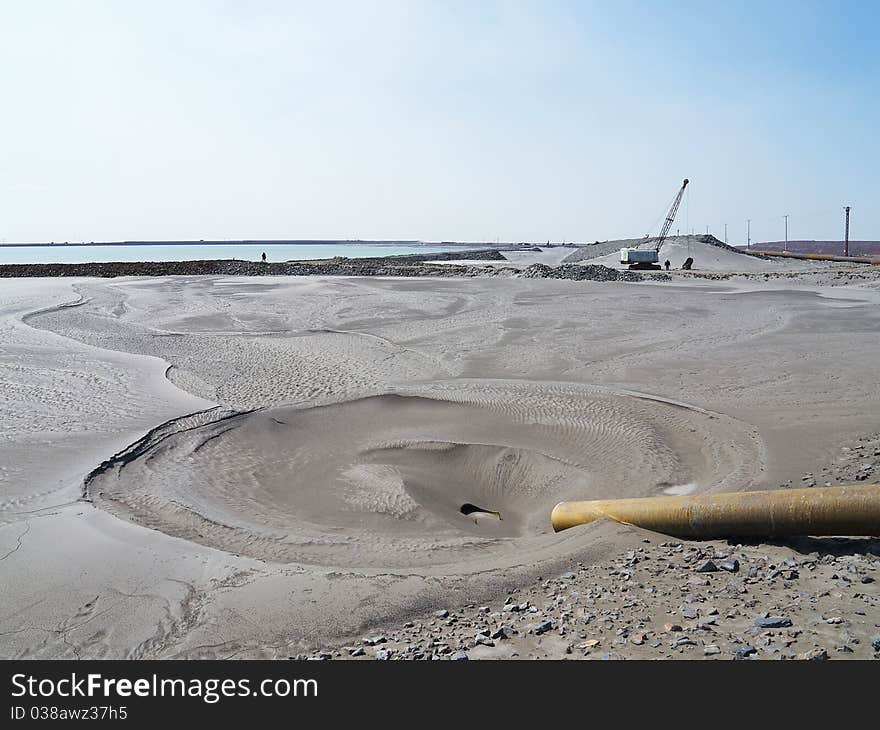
[{"x": 649, "y": 258}]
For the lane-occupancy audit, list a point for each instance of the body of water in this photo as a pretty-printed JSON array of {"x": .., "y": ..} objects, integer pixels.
[{"x": 74, "y": 254}]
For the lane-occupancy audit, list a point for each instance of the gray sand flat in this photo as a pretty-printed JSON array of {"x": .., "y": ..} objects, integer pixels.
[{"x": 354, "y": 417}]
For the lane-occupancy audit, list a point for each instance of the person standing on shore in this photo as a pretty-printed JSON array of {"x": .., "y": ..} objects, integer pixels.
[{"x": 264, "y": 257}]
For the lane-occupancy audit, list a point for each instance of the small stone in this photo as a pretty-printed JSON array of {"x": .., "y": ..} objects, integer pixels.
[
  {"x": 502, "y": 633},
  {"x": 459, "y": 656},
  {"x": 707, "y": 567},
  {"x": 540, "y": 628},
  {"x": 731, "y": 566},
  {"x": 711, "y": 649},
  {"x": 772, "y": 622},
  {"x": 588, "y": 644},
  {"x": 483, "y": 609},
  {"x": 568, "y": 576},
  {"x": 383, "y": 655},
  {"x": 741, "y": 652},
  {"x": 358, "y": 651},
  {"x": 689, "y": 612},
  {"x": 374, "y": 640},
  {"x": 443, "y": 613},
  {"x": 834, "y": 620},
  {"x": 813, "y": 655},
  {"x": 638, "y": 639},
  {"x": 671, "y": 628},
  {"x": 484, "y": 640},
  {"x": 875, "y": 643},
  {"x": 683, "y": 641}
]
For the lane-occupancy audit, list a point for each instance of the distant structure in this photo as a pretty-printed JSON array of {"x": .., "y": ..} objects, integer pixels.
[
  {"x": 640, "y": 258},
  {"x": 846, "y": 235}
]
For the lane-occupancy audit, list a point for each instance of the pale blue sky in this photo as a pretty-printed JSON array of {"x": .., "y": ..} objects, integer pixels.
[{"x": 435, "y": 121}]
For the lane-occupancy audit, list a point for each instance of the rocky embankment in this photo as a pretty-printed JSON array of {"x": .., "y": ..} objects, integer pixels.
[
  {"x": 585, "y": 272},
  {"x": 662, "y": 598},
  {"x": 407, "y": 265}
]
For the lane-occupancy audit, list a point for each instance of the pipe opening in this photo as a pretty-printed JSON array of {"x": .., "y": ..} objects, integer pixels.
[{"x": 474, "y": 512}]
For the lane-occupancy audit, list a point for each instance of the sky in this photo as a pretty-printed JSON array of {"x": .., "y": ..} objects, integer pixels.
[{"x": 436, "y": 121}]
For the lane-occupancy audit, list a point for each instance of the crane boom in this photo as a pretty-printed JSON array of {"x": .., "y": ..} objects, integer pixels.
[{"x": 670, "y": 217}]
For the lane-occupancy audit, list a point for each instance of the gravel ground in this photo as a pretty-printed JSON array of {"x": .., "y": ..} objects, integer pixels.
[{"x": 584, "y": 272}]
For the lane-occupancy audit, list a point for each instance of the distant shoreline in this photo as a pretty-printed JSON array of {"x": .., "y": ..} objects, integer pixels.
[{"x": 249, "y": 242}]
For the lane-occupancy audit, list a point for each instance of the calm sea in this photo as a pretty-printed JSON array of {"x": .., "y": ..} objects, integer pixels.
[{"x": 62, "y": 254}]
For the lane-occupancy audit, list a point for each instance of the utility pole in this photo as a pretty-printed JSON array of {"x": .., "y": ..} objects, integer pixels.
[
  {"x": 707, "y": 230},
  {"x": 725, "y": 233},
  {"x": 748, "y": 232},
  {"x": 785, "y": 247},
  {"x": 846, "y": 238}
]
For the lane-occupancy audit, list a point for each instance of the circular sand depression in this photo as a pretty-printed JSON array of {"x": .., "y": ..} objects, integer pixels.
[{"x": 455, "y": 475}]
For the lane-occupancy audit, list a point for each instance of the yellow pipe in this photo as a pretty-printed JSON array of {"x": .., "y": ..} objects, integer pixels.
[{"x": 847, "y": 510}]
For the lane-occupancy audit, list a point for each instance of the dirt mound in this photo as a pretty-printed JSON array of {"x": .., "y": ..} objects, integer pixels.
[{"x": 579, "y": 273}]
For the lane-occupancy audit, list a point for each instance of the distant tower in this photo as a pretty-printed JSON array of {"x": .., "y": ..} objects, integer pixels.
[{"x": 846, "y": 236}]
